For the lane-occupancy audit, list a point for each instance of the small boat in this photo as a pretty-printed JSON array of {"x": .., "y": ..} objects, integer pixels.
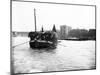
[{"x": 43, "y": 39}]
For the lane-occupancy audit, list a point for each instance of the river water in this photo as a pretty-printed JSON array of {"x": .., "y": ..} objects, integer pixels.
[{"x": 69, "y": 55}]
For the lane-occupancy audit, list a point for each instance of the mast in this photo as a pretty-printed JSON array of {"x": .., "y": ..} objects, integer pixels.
[
  {"x": 35, "y": 19},
  {"x": 42, "y": 29}
]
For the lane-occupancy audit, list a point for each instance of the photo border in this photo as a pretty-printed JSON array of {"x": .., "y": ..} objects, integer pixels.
[{"x": 11, "y": 60}]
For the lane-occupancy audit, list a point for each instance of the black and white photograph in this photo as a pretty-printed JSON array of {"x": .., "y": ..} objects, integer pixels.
[{"x": 52, "y": 37}]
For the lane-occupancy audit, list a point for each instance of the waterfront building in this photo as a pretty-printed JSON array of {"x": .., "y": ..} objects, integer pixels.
[{"x": 64, "y": 30}]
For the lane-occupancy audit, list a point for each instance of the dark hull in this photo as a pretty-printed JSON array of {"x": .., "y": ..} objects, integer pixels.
[{"x": 42, "y": 44}]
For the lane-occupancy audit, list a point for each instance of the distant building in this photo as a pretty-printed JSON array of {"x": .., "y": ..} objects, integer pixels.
[
  {"x": 58, "y": 33},
  {"x": 21, "y": 34},
  {"x": 14, "y": 34},
  {"x": 64, "y": 29}
]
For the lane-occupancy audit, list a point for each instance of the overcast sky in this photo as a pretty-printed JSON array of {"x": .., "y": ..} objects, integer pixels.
[{"x": 82, "y": 17}]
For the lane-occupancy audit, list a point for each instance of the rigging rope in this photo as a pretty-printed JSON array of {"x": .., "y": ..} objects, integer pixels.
[
  {"x": 28, "y": 41},
  {"x": 20, "y": 44}
]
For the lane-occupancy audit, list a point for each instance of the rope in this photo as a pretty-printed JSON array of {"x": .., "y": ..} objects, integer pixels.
[
  {"x": 20, "y": 44},
  {"x": 28, "y": 41},
  {"x": 62, "y": 45}
]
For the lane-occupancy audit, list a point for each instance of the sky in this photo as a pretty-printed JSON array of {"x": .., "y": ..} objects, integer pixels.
[{"x": 82, "y": 17}]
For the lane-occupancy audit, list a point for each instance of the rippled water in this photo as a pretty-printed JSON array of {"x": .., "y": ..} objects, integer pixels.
[{"x": 69, "y": 55}]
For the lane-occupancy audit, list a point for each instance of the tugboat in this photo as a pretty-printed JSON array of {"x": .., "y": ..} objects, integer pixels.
[{"x": 42, "y": 39}]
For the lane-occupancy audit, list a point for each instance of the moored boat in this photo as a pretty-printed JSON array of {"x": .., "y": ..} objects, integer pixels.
[{"x": 42, "y": 39}]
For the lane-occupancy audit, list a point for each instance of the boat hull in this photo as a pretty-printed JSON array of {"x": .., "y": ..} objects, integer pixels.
[{"x": 41, "y": 44}]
